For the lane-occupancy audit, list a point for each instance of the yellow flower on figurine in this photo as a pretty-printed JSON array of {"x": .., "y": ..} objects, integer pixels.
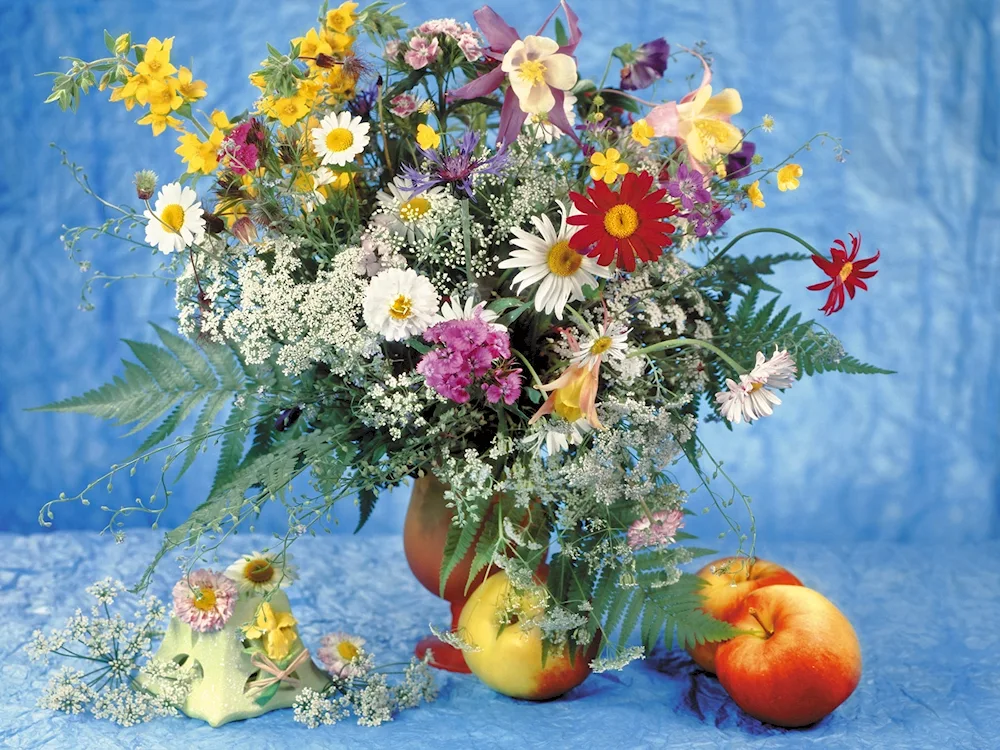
[
  {"x": 788, "y": 177},
  {"x": 156, "y": 60},
  {"x": 427, "y": 138},
  {"x": 342, "y": 18},
  {"x": 607, "y": 166},
  {"x": 642, "y": 131},
  {"x": 287, "y": 110},
  {"x": 275, "y": 629},
  {"x": 190, "y": 89},
  {"x": 198, "y": 155},
  {"x": 755, "y": 195},
  {"x": 160, "y": 122}
]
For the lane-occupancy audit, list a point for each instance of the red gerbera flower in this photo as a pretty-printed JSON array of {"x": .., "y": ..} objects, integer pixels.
[
  {"x": 844, "y": 271},
  {"x": 627, "y": 223}
]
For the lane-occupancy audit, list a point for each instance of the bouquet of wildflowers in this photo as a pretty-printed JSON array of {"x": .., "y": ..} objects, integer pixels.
[{"x": 448, "y": 252}]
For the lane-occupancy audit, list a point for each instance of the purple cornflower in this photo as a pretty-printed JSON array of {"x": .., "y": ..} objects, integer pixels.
[
  {"x": 738, "y": 163},
  {"x": 690, "y": 186},
  {"x": 458, "y": 168},
  {"x": 647, "y": 65},
  {"x": 364, "y": 103},
  {"x": 470, "y": 350}
]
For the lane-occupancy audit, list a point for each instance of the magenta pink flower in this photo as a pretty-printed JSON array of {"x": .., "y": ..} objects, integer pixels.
[
  {"x": 422, "y": 52},
  {"x": 240, "y": 147},
  {"x": 655, "y": 530},
  {"x": 404, "y": 105},
  {"x": 205, "y": 600}
]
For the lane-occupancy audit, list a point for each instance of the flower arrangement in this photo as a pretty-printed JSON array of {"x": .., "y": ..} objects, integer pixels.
[{"x": 452, "y": 254}]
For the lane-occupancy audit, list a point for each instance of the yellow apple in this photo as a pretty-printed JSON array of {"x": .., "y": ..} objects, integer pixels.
[
  {"x": 725, "y": 592},
  {"x": 510, "y": 661}
]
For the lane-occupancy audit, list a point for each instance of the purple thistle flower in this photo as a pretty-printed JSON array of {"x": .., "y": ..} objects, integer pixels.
[
  {"x": 647, "y": 66},
  {"x": 456, "y": 169},
  {"x": 690, "y": 186},
  {"x": 738, "y": 163}
]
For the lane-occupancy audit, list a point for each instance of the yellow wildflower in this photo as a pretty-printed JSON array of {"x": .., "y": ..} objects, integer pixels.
[
  {"x": 160, "y": 122},
  {"x": 162, "y": 97},
  {"x": 427, "y": 138},
  {"x": 607, "y": 166},
  {"x": 309, "y": 89},
  {"x": 642, "y": 131},
  {"x": 258, "y": 80},
  {"x": 219, "y": 120},
  {"x": 339, "y": 82},
  {"x": 755, "y": 195},
  {"x": 288, "y": 110},
  {"x": 230, "y": 210},
  {"x": 311, "y": 45},
  {"x": 250, "y": 181},
  {"x": 340, "y": 43},
  {"x": 277, "y": 629},
  {"x": 198, "y": 155},
  {"x": 342, "y": 181},
  {"x": 788, "y": 177},
  {"x": 118, "y": 94},
  {"x": 190, "y": 89},
  {"x": 342, "y": 18},
  {"x": 156, "y": 60}
]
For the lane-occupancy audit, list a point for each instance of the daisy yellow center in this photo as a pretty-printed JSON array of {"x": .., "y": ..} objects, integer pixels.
[
  {"x": 563, "y": 260},
  {"x": 258, "y": 570},
  {"x": 339, "y": 139},
  {"x": 347, "y": 650},
  {"x": 621, "y": 221},
  {"x": 845, "y": 271},
  {"x": 756, "y": 387},
  {"x": 173, "y": 217},
  {"x": 601, "y": 345},
  {"x": 533, "y": 72},
  {"x": 204, "y": 599},
  {"x": 414, "y": 208},
  {"x": 401, "y": 307}
]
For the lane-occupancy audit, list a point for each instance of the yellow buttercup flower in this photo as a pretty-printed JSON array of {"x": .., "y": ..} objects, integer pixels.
[
  {"x": 338, "y": 82},
  {"x": 120, "y": 94},
  {"x": 427, "y": 138},
  {"x": 160, "y": 122},
  {"x": 642, "y": 131},
  {"x": 220, "y": 120},
  {"x": 276, "y": 629},
  {"x": 287, "y": 110},
  {"x": 607, "y": 166},
  {"x": 755, "y": 195},
  {"x": 311, "y": 45},
  {"x": 198, "y": 155},
  {"x": 788, "y": 177},
  {"x": 339, "y": 42},
  {"x": 342, "y": 18},
  {"x": 190, "y": 89},
  {"x": 162, "y": 97},
  {"x": 156, "y": 60}
]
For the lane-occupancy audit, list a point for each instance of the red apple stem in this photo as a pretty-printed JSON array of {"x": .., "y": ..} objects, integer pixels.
[{"x": 753, "y": 612}]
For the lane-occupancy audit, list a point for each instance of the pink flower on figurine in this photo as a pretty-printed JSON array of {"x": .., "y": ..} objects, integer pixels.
[
  {"x": 205, "y": 600},
  {"x": 656, "y": 530},
  {"x": 422, "y": 52}
]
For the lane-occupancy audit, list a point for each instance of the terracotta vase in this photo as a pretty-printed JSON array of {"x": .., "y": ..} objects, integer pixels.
[{"x": 425, "y": 532}]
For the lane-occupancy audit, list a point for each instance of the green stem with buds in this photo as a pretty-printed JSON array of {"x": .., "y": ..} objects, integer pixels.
[{"x": 675, "y": 343}]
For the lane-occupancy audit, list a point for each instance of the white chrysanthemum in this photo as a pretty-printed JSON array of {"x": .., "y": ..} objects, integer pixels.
[
  {"x": 540, "y": 126},
  {"x": 400, "y": 303},
  {"x": 412, "y": 214},
  {"x": 339, "y": 138},
  {"x": 261, "y": 572},
  {"x": 453, "y": 309},
  {"x": 752, "y": 398},
  {"x": 608, "y": 343},
  {"x": 176, "y": 221},
  {"x": 548, "y": 258}
]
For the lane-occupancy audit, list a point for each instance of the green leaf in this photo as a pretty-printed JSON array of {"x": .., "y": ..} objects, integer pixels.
[
  {"x": 367, "y": 498},
  {"x": 561, "y": 37},
  {"x": 236, "y": 429}
]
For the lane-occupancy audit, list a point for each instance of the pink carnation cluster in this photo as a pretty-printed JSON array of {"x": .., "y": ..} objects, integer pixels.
[
  {"x": 658, "y": 529},
  {"x": 243, "y": 155},
  {"x": 424, "y": 47},
  {"x": 471, "y": 352}
]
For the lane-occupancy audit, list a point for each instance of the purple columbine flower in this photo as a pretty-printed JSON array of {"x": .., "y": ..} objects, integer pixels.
[
  {"x": 708, "y": 222},
  {"x": 690, "y": 186},
  {"x": 456, "y": 169},
  {"x": 738, "y": 163},
  {"x": 647, "y": 66}
]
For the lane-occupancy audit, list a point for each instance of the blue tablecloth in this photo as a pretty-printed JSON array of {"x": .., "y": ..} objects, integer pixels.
[{"x": 926, "y": 619}]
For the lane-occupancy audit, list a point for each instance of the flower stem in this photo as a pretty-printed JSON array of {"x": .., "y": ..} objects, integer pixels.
[
  {"x": 467, "y": 245},
  {"x": 763, "y": 230},
  {"x": 526, "y": 363},
  {"x": 674, "y": 343}
]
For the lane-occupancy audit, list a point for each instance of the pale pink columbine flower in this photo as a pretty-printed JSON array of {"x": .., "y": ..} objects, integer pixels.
[
  {"x": 205, "y": 600},
  {"x": 341, "y": 654},
  {"x": 655, "y": 530},
  {"x": 752, "y": 398},
  {"x": 422, "y": 52},
  {"x": 404, "y": 105}
]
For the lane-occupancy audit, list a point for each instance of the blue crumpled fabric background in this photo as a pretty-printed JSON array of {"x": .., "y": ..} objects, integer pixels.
[{"x": 882, "y": 492}]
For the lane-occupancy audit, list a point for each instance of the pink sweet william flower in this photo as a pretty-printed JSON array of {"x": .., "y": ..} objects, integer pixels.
[
  {"x": 471, "y": 45},
  {"x": 393, "y": 48},
  {"x": 205, "y": 600},
  {"x": 422, "y": 52},
  {"x": 240, "y": 147},
  {"x": 531, "y": 79},
  {"x": 655, "y": 530},
  {"x": 404, "y": 105}
]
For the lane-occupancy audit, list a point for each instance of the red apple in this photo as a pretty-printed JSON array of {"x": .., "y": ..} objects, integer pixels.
[
  {"x": 802, "y": 661},
  {"x": 725, "y": 592}
]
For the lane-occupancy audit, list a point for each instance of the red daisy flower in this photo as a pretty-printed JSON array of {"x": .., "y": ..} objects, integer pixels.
[
  {"x": 844, "y": 271},
  {"x": 627, "y": 223}
]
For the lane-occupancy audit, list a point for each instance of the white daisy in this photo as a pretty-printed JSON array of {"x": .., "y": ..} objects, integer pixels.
[
  {"x": 176, "y": 220},
  {"x": 261, "y": 572},
  {"x": 342, "y": 655},
  {"x": 400, "y": 303},
  {"x": 340, "y": 138},
  {"x": 540, "y": 126},
  {"x": 752, "y": 398},
  {"x": 453, "y": 309},
  {"x": 548, "y": 258},
  {"x": 608, "y": 343},
  {"x": 316, "y": 197},
  {"x": 557, "y": 437},
  {"x": 411, "y": 215}
]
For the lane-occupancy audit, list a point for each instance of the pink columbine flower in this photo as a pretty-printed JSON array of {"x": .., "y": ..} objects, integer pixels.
[
  {"x": 752, "y": 398},
  {"x": 205, "y": 600},
  {"x": 658, "y": 529},
  {"x": 422, "y": 52},
  {"x": 404, "y": 105}
]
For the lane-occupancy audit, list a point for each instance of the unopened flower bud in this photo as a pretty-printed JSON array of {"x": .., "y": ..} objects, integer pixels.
[
  {"x": 213, "y": 224},
  {"x": 145, "y": 184},
  {"x": 598, "y": 101},
  {"x": 324, "y": 60},
  {"x": 244, "y": 230}
]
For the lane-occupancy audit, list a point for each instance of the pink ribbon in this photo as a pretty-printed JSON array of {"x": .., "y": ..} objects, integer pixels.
[{"x": 278, "y": 674}]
